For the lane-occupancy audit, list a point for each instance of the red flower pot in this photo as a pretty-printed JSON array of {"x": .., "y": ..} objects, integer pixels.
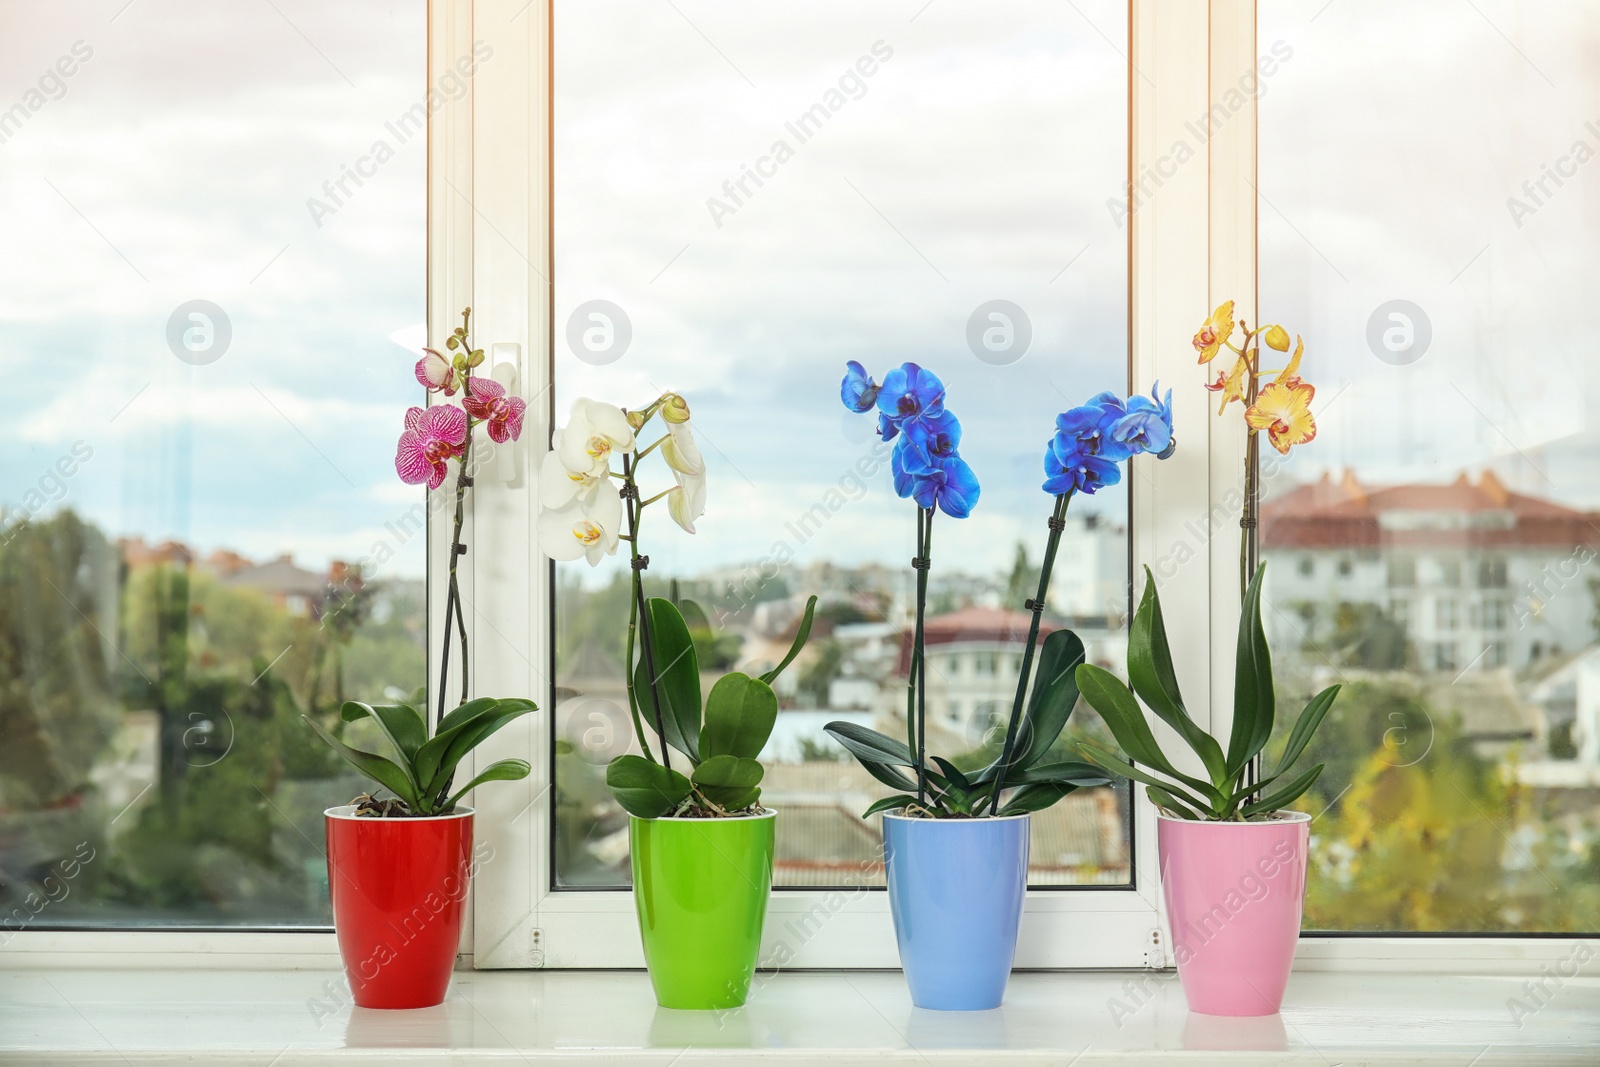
[{"x": 399, "y": 889}]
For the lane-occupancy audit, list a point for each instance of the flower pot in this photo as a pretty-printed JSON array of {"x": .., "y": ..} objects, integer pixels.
[
  {"x": 1234, "y": 895},
  {"x": 956, "y": 889},
  {"x": 700, "y": 887},
  {"x": 399, "y": 889}
]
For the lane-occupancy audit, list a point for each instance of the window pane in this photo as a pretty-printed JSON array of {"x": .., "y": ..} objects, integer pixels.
[
  {"x": 212, "y": 291},
  {"x": 1428, "y": 221},
  {"x": 762, "y": 192}
]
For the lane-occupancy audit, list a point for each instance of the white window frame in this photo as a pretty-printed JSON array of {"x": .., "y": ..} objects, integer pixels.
[{"x": 1192, "y": 243}]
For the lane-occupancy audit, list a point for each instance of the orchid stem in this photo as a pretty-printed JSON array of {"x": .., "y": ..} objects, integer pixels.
[
  {"x": 1057, "y": 524},
  {"x": 643, "y": 611},
  {"x": 920, "y": 659}
]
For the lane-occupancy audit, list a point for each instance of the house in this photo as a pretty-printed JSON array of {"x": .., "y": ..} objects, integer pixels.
[{"x": 1463, "y": 576}]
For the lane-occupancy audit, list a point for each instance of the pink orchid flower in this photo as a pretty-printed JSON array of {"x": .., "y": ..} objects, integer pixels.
[
  {"x": 488, "y": 401},
  {"x": 435, "y": 372},
  {"x": 432, "y": 436}
]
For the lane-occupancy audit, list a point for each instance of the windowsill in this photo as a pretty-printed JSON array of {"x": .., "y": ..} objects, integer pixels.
[{"x": 285, "y": 1018}]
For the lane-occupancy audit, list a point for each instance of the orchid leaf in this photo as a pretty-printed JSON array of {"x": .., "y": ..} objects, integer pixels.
[
  {"x": 677, "y": 678},
  {"x": 506, "y": 770},
  {"x": 385, "y": 772},
  {"x": 800, "y": 638},
  {"x": 1151, "y": 675},
  {"x": 1285, "y": 796},
  {"x": 645, "y": 788},
  {"x": 740, "y": 714}
]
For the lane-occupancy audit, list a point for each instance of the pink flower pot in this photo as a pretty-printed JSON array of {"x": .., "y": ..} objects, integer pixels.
[{"x": 1234, "y": 896}]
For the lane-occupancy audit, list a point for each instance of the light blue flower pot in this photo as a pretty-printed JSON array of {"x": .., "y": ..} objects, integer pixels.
[{"x": 956, "y": 889}]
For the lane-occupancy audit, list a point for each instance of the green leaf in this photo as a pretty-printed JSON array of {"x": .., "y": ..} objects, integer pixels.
[
  {"x": 1111, "y": 761},
  {"x": 402, "y": 725},
  {"x": 1151, "y": 673},
  {"x": 506, "y": 770},
  {"x": 952, "y": 773},
  {"x": 694, "y": 616},
  {"x": 463, "y": 738},
  {"x": 644, "y": 788},
  {"x": 893, "y": 803},
  {"x": 463, "y": 712},
  {"x": 724, "y": 779},
  {"x": 677, "y": 675},
  {"x": 869, "y": 746},
  {"x": 1034, "y": 798},
  {"x": 888, "y": 775},
  {"x": 1306, "y": 725},
  {"x": 431, "y": 755},
  {"x": 383, "y": 771},
  {"x": 1055, "y": 692},
  {"x": 1252, "y": 682},
  {"x": 740, "y": 714},
  {"x": 1072, "y": 772},
  {"x": 1285, "y": 796},
  {"x": 799, "y": 642},
  {"x": 1166, "y": 800},
  {"x": 1122, "y": 714}
]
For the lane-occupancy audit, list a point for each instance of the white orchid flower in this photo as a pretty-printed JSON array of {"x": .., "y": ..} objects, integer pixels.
[
  {"x": 687, "y": 502},
  {"x": 582, "y": 528},
  {"x": 593, "y": 433},
  {"x": 559, "y": 486},
  {"x": 681, "y": 452}
]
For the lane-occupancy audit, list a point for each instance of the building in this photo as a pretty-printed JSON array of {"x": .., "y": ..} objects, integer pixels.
[
  {"x": 1448, "y": 578},
  {"x": 974, "y": 656}
]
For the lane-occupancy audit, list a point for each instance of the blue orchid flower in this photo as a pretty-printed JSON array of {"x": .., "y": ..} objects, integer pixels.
[
  {"x": 948, "y": 483},
  {"x": 1090, "y": 428},
  {"x": 935, "y": 437},
  {"x": 858, "y": 391},
  {"x": 1147, "y": 427},
  {"x": 909, "y": 393},
  {"x": 1070, "y": 471}
]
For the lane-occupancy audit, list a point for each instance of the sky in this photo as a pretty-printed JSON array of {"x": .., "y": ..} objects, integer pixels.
[
  {"x": 175, "y": 164},
  {"x": 973, "y": 164}
]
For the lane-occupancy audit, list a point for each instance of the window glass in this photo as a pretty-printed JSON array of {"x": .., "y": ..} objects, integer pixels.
[
  {"x": 1430, "y": 222},
  {"x": 747, "y": 196},
  {"x": 210, "y": 302}
]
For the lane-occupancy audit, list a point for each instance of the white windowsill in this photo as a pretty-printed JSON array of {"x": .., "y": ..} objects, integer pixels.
[{"x": 288, "y": 1018}]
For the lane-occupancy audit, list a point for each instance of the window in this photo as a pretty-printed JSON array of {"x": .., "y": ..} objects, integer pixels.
[
  {"x": 215, "y": 289},
  {"x": 200, "y": 530},
  {"x": 783, "y": 203},
  {"x": 1307, "y": 566},
  {"x": 1345, "y": 568},
  {"x": 1426, "y": 229}
]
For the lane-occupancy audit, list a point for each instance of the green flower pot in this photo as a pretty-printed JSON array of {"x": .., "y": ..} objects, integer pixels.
[{"x": 700, "y": 887}]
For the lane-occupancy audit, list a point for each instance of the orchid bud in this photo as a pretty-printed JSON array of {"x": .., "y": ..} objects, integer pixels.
[
  {"x": 1277, "y": 338},
  {"x": 476, "y": 358},
  {"x": 675, "y": 409},
  {"x": 451, "y": 342},
  {"x": 636, "y": 420}
]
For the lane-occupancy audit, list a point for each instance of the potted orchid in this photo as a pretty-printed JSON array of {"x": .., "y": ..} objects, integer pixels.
[
  {"x": 701, "y": 844},
  {"x": 956, "y": 844},
  {"x": 400, "y": 858},
  {"x": 1233, "y": 857}
]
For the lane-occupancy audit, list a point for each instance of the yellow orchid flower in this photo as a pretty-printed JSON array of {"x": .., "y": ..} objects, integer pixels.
[
  {"x": 1291, "y": 373},
  {"x": 1232, "y": 384},
  {"x": 1217, "y": 329},
  {"x": 1284, "y": 410}
]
